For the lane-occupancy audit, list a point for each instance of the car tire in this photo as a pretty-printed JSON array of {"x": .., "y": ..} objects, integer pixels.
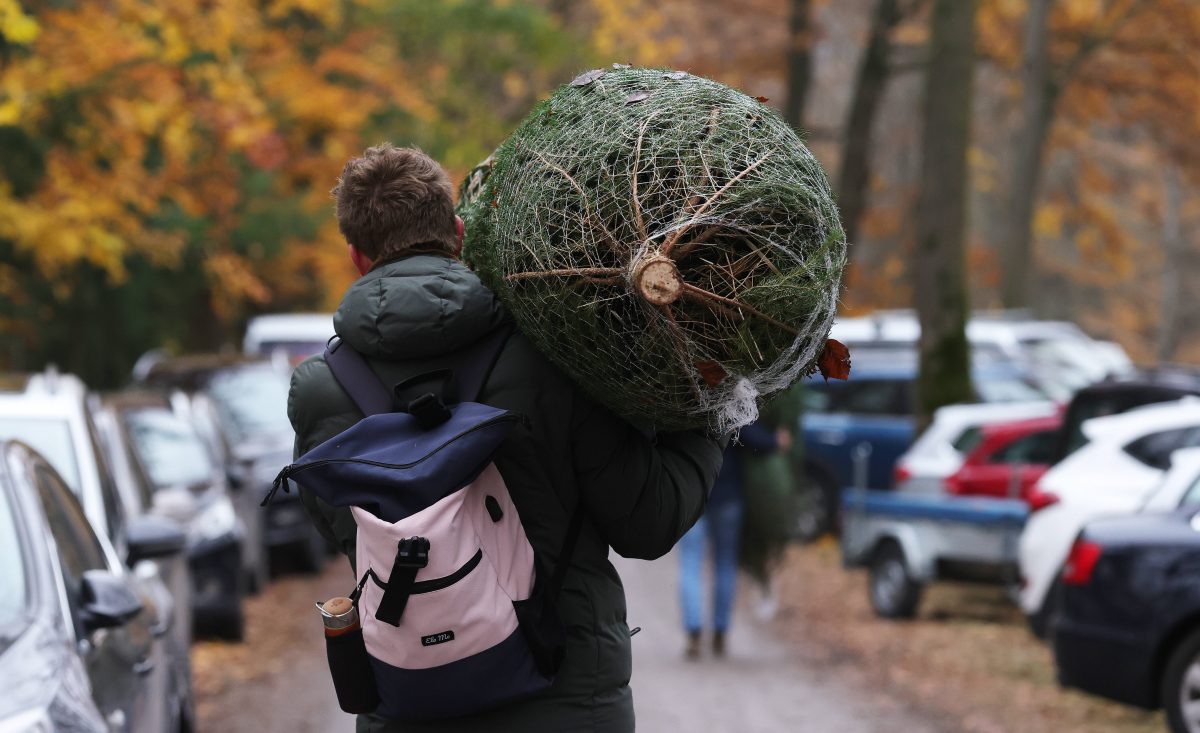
[
  {"x": 230, "y": 624},
  {"x": 1043, "y": 621},
  {"x": 815, "y": 507},
  {"x": 1180, "y": 687},
  {"x": 894, "y": 592}
]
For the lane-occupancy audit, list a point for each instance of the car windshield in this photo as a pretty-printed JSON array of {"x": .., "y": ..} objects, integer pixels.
[
  {"x": 49, "y": 436},
  {"x": 251, "y": 402},
  {"x": 1007, "y": 389},
  {"x": 14, "y": 584},
  {"x": 168, "y": 449}
]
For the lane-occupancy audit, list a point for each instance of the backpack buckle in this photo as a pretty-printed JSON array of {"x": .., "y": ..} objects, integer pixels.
[
  {"x": 429, "y": 410},
  {"x": 412, "y": 552}
]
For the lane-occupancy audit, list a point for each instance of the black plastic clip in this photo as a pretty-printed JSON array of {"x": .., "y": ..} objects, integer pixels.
[
  {"x": 412, "y": 554},
  {"x": 429, "y": 410}
]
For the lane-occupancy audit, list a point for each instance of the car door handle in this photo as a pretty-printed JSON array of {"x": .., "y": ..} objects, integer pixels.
[{"x": 144, "y": 667}]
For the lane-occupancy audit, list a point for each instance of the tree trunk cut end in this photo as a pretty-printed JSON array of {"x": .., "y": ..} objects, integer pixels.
[{"x": 657, "y": 280}]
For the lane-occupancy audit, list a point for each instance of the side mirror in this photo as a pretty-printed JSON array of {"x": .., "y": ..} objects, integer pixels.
[
  {"x": 150, "y": 537},
  {"x": 107, "y": 601}
]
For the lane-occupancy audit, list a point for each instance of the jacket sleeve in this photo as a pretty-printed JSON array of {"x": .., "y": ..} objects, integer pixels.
[
  {"x": 318, "y": 411},
  {"x": 642, "y": 494}
]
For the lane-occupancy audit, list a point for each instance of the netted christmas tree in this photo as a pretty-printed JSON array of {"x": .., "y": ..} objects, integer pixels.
[{"x": 669, "y": 242}]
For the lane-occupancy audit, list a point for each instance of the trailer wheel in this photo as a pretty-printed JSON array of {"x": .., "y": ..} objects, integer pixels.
[{"x": 894, "y": 592}]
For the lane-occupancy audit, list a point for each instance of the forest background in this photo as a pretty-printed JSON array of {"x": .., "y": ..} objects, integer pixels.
[{"x": 165, "y": 166}]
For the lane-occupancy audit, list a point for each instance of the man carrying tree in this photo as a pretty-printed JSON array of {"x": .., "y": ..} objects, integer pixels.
[{"x": 416, "y": 304}]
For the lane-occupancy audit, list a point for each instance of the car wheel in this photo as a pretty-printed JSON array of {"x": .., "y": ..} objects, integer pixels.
[
  {"x": 1181, "y": 686},
  {"x": 814, "y": 507},
  {"x": 231, "y": 623},
  {"x": 894, "y": 592},
  {"x": 1043, "y": 621}
]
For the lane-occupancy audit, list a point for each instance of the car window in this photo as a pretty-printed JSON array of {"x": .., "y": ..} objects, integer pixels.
[
  {"x": 860, "y": 397},
  {"x": 251, "y": 402},
  {"x": 967, "y": 440},
  {"x": 168, "y": 449},
  {"x": 78, "y": 548},
  {"x": 1155, "y": 449},
  {"x": 1035, "y": 448},
  {"x": 1192, "y": 497},
  {"x": 114, "y": 516},
  {"x": 14, "y": 564},
  {"x": 50, "y": 437}
]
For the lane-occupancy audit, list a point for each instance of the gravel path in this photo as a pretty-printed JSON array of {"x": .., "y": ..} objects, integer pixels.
[
  {"x": 277, "y": 681},
  {"x": 760, "y": 687}
]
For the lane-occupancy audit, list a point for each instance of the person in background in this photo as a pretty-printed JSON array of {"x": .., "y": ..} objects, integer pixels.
[
  {"x": 720, "y": 529},
  {"x": 771, "y": 484}
]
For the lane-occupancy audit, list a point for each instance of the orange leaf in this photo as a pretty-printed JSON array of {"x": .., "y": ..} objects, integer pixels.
[
  {"x": 764, "y": 100},
  {"x": 834, "y": 362},
  {"x": 712, "y": 372}
]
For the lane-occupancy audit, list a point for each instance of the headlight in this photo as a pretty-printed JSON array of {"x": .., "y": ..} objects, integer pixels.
[
  {"x": 216, "y": 519},
  {"x": 29, "y": 721}
]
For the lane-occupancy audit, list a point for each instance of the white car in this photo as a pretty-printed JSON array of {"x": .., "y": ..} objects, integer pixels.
[
  {"x": 297, "y": 335},
  {"x": 1124, "y": 461},
  {"x": 954, "y": 432},
  {"x": 1180, "y": 488}
]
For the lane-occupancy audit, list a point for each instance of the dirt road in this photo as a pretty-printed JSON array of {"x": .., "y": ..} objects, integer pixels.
[{"x": 276, "y": 681}]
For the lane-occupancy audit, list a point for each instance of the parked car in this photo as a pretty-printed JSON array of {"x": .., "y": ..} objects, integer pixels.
[
  {"x": 1128, "y": 627},
  {"x": 239, "y": 405},
  {"x": 174, "y": 475},
  {"x": 54, "y": 414},
  {"x": 1125, "y": 458},
  {"x": 78, "y": 624},
  {"x": 956, "y": 431},
  {"x": 854, "y": 431},
  {"x": 1121, "y": 393},
  {"x": 1007, "y": 459},
  {"x": 297, "y": 335},
  {"x": 1059, "y": 355}
]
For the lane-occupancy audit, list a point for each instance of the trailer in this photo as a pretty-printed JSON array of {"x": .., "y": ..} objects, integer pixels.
[{"x": 907, "y": 541}]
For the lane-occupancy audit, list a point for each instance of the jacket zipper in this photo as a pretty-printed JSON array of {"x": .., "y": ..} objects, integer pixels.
[{"x": 290, "y": 470}]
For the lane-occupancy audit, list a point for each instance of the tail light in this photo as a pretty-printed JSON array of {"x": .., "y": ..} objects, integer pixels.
[
  {"x": 1039, "y": 499},
  {"x": 900, "y": 474},
  {"x": 1081, "y": 562}
]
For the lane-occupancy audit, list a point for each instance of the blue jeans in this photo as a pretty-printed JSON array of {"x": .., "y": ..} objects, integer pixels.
[{"x": 721, "y": 525}]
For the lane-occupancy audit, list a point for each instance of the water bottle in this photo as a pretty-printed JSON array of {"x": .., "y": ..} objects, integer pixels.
[{"x": 349, "y": 664}]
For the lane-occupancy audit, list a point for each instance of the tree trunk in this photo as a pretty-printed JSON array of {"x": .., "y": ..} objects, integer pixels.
[
  {"x": 799, "y": 64},
  {"x": 1173, "y": 266},
  {"x": 855, "y": 176},
  {"x": 1037, "y": 106},
  {"x": 940, "y": 266}
]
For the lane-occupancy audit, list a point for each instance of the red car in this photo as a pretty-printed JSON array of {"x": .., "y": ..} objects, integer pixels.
[{"x": 1008, "y": 459}]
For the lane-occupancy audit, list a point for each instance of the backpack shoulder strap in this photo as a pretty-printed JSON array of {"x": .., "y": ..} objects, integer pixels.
[
  {"x": 475, "y": 367},
  {"x": 351, "y": 371},
  {"x": 374, "y": 397}
]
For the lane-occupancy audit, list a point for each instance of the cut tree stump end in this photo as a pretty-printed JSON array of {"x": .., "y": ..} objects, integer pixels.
[{"x": 657, "y": 280}]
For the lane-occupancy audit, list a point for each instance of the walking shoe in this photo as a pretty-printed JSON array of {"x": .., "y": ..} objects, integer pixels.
[
  {"x": 692, "y": 651},
  {"x": 719, "y": 644}
]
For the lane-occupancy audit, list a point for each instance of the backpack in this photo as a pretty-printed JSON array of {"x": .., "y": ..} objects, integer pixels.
[{"x": 455, "y": 615}]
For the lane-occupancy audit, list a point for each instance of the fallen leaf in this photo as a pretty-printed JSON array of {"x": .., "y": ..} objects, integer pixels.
[
  {"x": 636, "y": 97},
  {"x": 764, "y": 100},
  {"x": 834, "y": 361},
  {"x": 712, "y": 372},
  {"x": 587, "y": 77}
]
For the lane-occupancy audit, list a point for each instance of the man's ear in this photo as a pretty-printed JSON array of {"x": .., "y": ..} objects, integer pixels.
[
  {"x": 362, "y": 263},
  {"x": 459, "y": 229}
]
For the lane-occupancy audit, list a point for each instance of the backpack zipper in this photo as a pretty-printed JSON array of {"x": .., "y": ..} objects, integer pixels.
[
  {"x": 281, "y": 480},
  {"x": 427, "y": 586}
]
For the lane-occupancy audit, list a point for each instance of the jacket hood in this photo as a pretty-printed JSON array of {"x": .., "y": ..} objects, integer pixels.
[{"x": 418, "y": 307}]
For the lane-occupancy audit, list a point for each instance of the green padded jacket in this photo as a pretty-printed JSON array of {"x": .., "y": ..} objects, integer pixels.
[{"x": 639, "y": 494}]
